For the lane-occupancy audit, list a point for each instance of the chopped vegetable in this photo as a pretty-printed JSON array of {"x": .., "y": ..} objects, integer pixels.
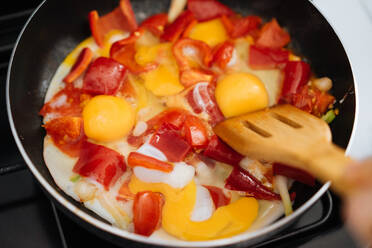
[
  {"x": 222, "y": 54},
  {"x": 147, "y": 209},
  {"x": 190, "y": 77},
  {"x": 168, "y": 140},
  {"x": 273, "y": 36},
  {"x": 221, "y": 152},
  {"x": 241, "y": 26},
  {"x": 267, "y": 58},
  {"x": 296, "y": 74},
  {"x": 75, "y": 178},
  {"x": 138, "y": 159},
  {"x": 155, "y": 24},
  {"x": 195, "y": 132},
  {"x": 174, "y": 31},
  {"x": 281, "y": 185},
  {"x": 81, "y": 63},
  {"x": 329, "y": 116},
  {"x": 175, "y": 9},
  {"x": 100, "y": 163},
  {"x": 208, "y": 9},
  {"x": 218, "y": 196},
  {"x": 242, "y": 180},
  {"x": 104, "y": 77}
]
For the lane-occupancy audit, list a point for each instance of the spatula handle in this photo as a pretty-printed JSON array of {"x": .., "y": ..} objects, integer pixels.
[{"x": 328, "y": 162}]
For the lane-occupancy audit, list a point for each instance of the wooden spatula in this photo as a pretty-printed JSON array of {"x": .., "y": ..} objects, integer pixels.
[{"x": 291, "y": 136}]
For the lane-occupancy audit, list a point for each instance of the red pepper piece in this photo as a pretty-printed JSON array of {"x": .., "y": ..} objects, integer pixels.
[
  {"x": 174, "y": 116},
  {"x": 138, "y": 159},
  {"x": 193, "y": 76},
  {"x": 104, "y": 77},
  {"x": 124, "y": 52},
  {"x": 242, "y": 180},
  {"x": 70, "y": 106},
  {"x": 201, "y": 99},
  {"x": 128, "y": 13},
  {"x": 195, "y": 132},
  {"x": 155, "y": 24},
  {"x": 67, "y": 134},
  {"x": 147, "y": 209},
  {"x": 208, "y": 9},
  {"x": 222, "y": 54},
  {"x": 100, "y": 163},
  {"x": 218, "y": 196},
  {"x": 273, "y": 36},
  {"x": 121, "y": 18},
  {"x": 204, "y": 52},
  {"x": 311, "y": 100},
  {"x": 267, "y": 58},
  {"x": 82, "y": 62},
  {"x": 241, "y": 26},
  {"x": 296, "y": 74},
  {"x": 294, "y": 173},
  {"x": 174, "y": 31},
  {"x": 168, "y": 140},
  {"x": 221, "y": 152}
]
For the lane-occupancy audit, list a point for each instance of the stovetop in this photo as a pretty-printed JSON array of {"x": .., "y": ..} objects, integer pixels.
[{"x": 29, "y": 219}]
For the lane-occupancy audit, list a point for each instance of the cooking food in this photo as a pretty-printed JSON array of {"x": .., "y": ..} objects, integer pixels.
[{"x": 130, "y": 111}]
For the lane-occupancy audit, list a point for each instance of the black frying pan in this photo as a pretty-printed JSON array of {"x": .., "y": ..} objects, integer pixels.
[{"x": 58, "y": 26}]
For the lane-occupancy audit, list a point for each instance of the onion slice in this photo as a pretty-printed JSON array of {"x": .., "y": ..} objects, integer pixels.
[
  {"x": 175, "y": 9},
  {"x": 281, "y": 184}
]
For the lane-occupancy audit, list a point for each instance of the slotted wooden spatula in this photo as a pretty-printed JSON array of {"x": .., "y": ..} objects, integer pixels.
[{"x": 291, "y": 136}]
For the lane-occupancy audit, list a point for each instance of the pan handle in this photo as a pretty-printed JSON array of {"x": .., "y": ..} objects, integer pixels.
[{"x": 10, "y": 168}]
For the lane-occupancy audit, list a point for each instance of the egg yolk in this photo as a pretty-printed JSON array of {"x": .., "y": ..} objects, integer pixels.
[
  {"x": 161, "y": 53},
  {"x": 226, "y": 221},
  {"x": 211, "y": 32},
  {"x": 163, "y": 81},
  {"x": 107, "y": 118},
  {"x": 240, "y": 93}
]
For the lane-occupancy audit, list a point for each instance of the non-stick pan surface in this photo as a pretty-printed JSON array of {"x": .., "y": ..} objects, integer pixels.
[{"x": 58, "y": 26}]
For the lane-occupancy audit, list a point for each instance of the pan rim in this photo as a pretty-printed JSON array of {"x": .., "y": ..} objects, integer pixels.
[{"x": 245, "y": 237}]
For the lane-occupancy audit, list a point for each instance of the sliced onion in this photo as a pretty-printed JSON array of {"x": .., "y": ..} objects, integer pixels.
[
  {"x": 175, "y": 9},
  {"x": 86, "y": 191},
  {"x": 323, "y": 84},
  {"x": 140, "y": 128},
  {"x": 281, "y": 184}
]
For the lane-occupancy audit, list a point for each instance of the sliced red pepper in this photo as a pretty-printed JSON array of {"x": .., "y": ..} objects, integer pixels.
[
  {"x": 138, "y": 159},
  {"x": 147, "y": 210},
  {"x": 273, "y": 36},
  {"x": 188, "y": 29},
  {"x": 193, "y": 76},
  {"x": 222, "y": 54},
  {"x": 218, "y": 196},
  {"x": 100, "y": 163},
  {"x": 195, "y": 132},
  {"x": 67, "y": 134},
  {"x": 121, "y": 18},
  {"x": 124, "y": 52},
  {"x": 241, "y": 26},
  {"x": 294, "y": 173},
  {"x": 201, "y": 99},
  {"x": 267, "y": 58},
  {"x": 208, "y": 9},
  {"x": 155, "y": 24},
  {"x": 67, "y": 102},
  {"x": 204, "y": 52},
  {"x": 242, "y": 180},
  {"x": 81, "y": 63},
  {"x": 296, "y": 75},
  {"x": 104, "y": 77},
  {"x": 168, "y": 140},
  {"x": 221, "y": 152},
  {"x": 174, "y": 31}
]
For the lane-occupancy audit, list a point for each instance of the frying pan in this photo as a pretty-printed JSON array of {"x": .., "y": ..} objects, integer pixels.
[{"x": 56, "y": 27}]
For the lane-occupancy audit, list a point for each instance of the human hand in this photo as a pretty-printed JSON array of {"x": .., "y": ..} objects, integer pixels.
[{"x": 358, "y": 205}]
